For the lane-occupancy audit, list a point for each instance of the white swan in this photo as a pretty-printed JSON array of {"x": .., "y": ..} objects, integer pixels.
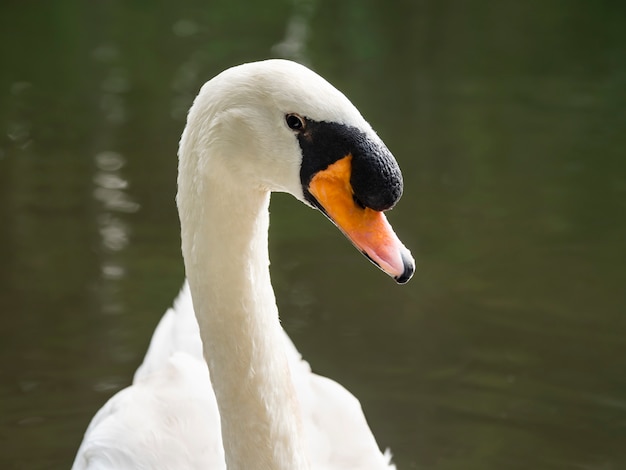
[{"x": 256, "y": 128}]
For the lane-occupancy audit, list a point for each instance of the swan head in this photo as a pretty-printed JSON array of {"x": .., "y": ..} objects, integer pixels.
[{"x": 275, "y": 125}]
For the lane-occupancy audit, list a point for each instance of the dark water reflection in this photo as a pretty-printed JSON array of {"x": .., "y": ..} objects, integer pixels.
[{"x": 506, "y": 351}]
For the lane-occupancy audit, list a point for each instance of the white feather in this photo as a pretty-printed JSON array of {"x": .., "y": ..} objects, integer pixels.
[{"x": 169, "y": 418}]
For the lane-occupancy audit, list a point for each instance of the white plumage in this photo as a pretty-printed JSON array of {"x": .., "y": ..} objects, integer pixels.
[{"x": 276, "y": 414}]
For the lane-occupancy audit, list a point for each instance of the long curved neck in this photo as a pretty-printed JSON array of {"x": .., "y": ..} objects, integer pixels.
[{"x": 224, "y": 238}]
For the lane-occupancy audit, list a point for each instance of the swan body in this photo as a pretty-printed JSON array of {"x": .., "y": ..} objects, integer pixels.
[{"x": 221, "y": 385}]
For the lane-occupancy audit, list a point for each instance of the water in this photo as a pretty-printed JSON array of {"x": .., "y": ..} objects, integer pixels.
[{"x": 506, "y": 351}]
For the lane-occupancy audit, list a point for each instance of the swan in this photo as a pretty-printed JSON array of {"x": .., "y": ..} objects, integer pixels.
[{"x": 221, "y": 385}]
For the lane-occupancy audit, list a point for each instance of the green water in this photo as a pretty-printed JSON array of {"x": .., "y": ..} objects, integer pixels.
[{"x": 508, "y": 348}]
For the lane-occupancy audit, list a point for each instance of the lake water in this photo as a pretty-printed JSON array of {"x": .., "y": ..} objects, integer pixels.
[{"x": 508, "y": 348}]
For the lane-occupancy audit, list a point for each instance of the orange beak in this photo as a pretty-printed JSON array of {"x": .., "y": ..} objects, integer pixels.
[{"x": 366, "y": 228}]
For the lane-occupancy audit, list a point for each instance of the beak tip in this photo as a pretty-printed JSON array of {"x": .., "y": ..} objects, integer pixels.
[{"x": 409, "y": 268}]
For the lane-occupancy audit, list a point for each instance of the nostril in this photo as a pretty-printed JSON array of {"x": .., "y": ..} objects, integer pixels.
[
  {"x": 358, "y": 202},
  {"x": 380, "y": 201}
]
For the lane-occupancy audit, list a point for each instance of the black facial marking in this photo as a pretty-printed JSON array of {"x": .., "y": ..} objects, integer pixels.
[{"x": 376, "y": 178}]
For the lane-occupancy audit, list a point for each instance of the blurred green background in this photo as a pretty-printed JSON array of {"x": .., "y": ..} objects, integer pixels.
[{"x": 508, "y": 348}]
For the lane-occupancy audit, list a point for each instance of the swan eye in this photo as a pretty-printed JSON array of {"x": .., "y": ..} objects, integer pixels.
[{"x": 294, "y": 122}]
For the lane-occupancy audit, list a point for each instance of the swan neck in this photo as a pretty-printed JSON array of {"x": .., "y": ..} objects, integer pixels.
[{"x": 224, "y": 239}]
